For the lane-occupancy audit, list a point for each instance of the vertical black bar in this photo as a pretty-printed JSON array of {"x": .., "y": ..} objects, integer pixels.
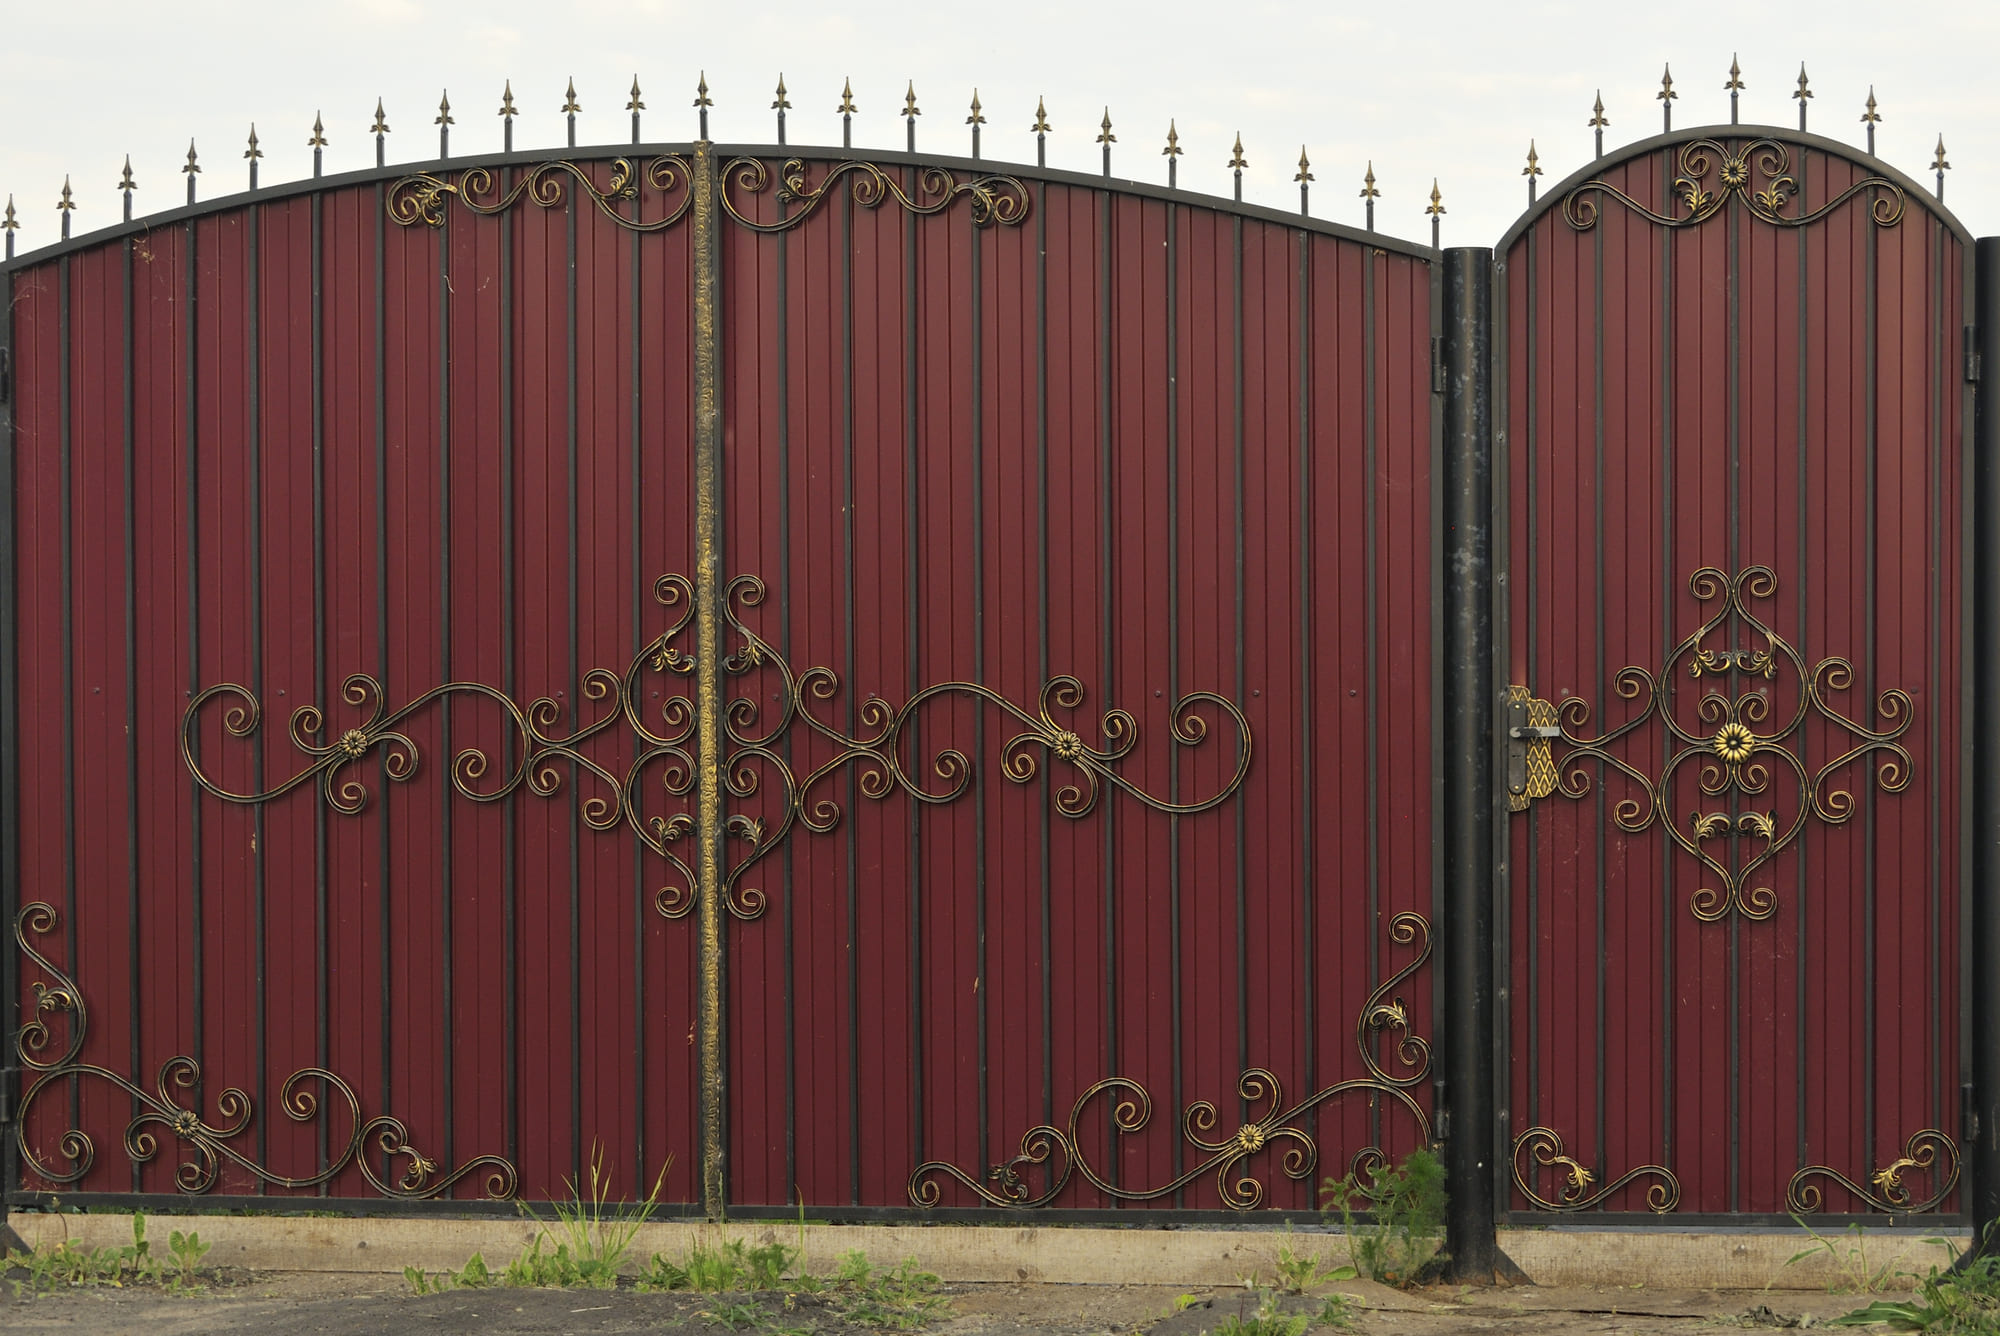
[
  {"x": 66, "y": 427},
  {"x": 1308, "y": 944},
  {"x": 1870, "y": 470},
  {"x": 388, "y": 926},
  {"x": 1940, "y": 360},
  {"x": 1470, "y": 709},
  {"x": 10, "y": 807},
  {"x": 1984, "y": 632},
  {"x": 639, "y": 583},
  {"x": 1597, "y": 670},
  {"x": 576, "y": 702},
  {"x": 1669, "y": 582},
  {"x": 1242, "y": 686},
  {"x": 191, "y": 391},
  {"x": 1178, "y": 1074},
  {"x": 255, "y": 446},
  {"x": 978, "y": 498},
  {"x": 853, "y": 787},
  {"x": 1042, "y": 636},
  {"x": 1107, "y": 530},
  {"x": 321, "y": 979},
  {"x": 510, "y": 1074},
  {"x": 1371, "y": 684},
  {"x": 132, "y": 918},
  {"x": 1530, "y": 504},
  {"x": 1804, "y": 579},
  {"x": 446, "y": 947},
  {"x": 1735, "y": 547},
  {"x": 912, "y": 576}
]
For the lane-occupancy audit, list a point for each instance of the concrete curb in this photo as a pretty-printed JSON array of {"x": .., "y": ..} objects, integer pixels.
[{"x": 1653, "y": 1259}]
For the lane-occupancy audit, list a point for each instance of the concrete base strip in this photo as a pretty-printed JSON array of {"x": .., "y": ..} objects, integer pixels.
[{"x": 1188, "y": 1257}]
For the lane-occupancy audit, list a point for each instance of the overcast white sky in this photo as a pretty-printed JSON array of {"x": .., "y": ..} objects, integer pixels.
[{"x": 1452, "y": 90}]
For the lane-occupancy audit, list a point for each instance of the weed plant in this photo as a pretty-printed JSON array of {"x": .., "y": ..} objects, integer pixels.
[
  {"x": 1405, "y": 1206},
  {"x": 1955, "y": 1301},
  {"x": 69, "y": 1263}
]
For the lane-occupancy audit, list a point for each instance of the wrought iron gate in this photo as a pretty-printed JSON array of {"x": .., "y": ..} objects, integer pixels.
[{"x": 910, "y": 688}]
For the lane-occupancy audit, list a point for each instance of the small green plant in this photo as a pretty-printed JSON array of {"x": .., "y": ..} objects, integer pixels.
[
  {"x": 901, "y": 1298},
  {"x": 1854, "y": 1273},
  {"x": 473, "y": 1275},
  {"x": 69, "y": 1264},
  {"x": 187, "y": 1250},
  {"x": 1299, "y": 1272},
  {"x": 1183, "y": 1302},
  {"x": 1337, "y": 1312},
  {"x": 583, "y": 1249},
  {"x": 1952, "y": 1302},
  {"x": 1269, "y": 1319},
  {"x": 1405, "y": 1207}
]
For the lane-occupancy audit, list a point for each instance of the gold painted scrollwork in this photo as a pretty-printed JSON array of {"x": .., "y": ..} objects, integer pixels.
[
  {"x": 1738, "y": 179},
  {"x": 1131, "y": 1109},
  {"x": 1929, "y": 1152},
  {"x": 207, "y": 1144},
  {"x": 1737, "y": 747},
  {"x": 664, "y": 766},
  {"x": 421, "y": 198},
  {"x": 994, "y": 199},
  {"x": 1546, "y": 1146}
]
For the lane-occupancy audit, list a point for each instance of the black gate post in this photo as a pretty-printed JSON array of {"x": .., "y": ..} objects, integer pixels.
[
  {"x": 1984, "y": 1132},
  {"x": 1470, "y": 709}
]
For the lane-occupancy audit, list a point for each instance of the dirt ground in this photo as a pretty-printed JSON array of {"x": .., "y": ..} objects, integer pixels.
[{"x": 375, "y": 1305}]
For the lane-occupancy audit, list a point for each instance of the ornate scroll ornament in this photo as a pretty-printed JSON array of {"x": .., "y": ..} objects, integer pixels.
[
  {"x": 1131, "y": 1108},
  {"x": 995, "y": 199},
  {"x": 1886, "y": 1190},
  {"x": 1737, "y": 746},
  {"x": 208, "y": 1143},
  {"x": 422, "y": 198},
  {"x": 663, "y": 766},
  {"x": 1763, "y": 160},
  {"x": 1546, "y": 1146}
]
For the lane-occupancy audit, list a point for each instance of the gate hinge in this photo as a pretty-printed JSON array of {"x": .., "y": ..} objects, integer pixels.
[
  {"x": 1437, "y": 365},
  {"x": 6, "y": 375},
  {"x": 8, "y": 1076},
  {"x": 1972, "y": 354},
  {"x": 1526, "y": 727}
]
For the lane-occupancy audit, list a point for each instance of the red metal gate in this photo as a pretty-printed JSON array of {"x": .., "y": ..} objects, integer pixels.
[
  {"x": 1735, "y": 410},
  {"x": 393, "y": 489}
]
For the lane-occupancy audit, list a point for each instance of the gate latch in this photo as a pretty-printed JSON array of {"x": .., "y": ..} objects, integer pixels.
[{"x": 1527, "y": 727}]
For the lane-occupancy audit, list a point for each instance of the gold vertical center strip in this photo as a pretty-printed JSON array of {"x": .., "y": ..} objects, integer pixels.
[{"x": 709, "y": 592}]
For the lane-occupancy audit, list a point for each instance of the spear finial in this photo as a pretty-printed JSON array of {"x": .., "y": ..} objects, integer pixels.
[
  {"x": 1369, "y": 194},
  {"x": 846, "y": 110},
  {"x": 1304, "y": 178},
  {"x": 1107, "y": 139},
  {"x": 381, "y": 129},
  {"x": 1871, "y": 118},
  {"x": 781, "y": 104},
  {"x": 1532, "y": 170},
  {"x": 1940, "y": 165},
  {"x": 975, "y": 120},
  {"x": 10, "y": 226},
  {"x": 444, "y": 123},
  {"x": 1666, "y": 97},
  {"x": 253, "y": 153},
  {"x": 702, "y": 103},
  {"x": 635, "y": 105},
  {"x": 1041, "y": 131},
  {"x": 317, "y": 143},
  {"x": 1598, "y": 121},
  {"x": 910, "y": 113},
  {"x": 1172, "y": 153},
  {"x": 1436, "y": 211},
  {"x": 66, "y": 205},
  {"x": 1237, "y": 162},
  {"x": 192, "y": 170},
  {"x": 507, "y": 114},
  {"x": 127, "y": 185},
  {"x": 1734, "y": 87},
  {"x": 1803, "y": 93},
  {"x": 570, "y": 108}
]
